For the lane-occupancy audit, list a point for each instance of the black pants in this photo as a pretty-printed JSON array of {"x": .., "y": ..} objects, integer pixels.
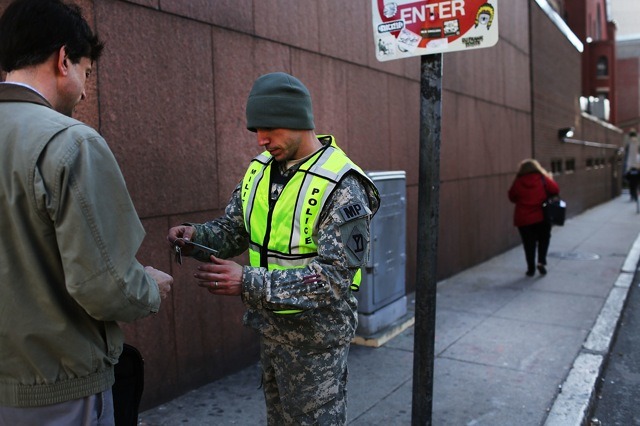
[{"x": 535, "y": 236}]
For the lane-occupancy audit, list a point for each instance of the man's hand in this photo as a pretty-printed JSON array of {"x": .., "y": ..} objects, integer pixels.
[
  {"x": 179, "y": 233},
  {"x": 222, "y": 277},
  {"x": 164, "y": 280},
  {"x": 182, "y": 231}
]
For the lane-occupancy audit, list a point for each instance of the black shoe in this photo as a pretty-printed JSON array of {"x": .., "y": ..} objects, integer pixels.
[
  {"x": 542, "y": 269},
  {"x": 530, "y": 272}
]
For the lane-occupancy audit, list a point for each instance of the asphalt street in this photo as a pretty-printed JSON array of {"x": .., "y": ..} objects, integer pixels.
[{"x": 617, "y": 399}]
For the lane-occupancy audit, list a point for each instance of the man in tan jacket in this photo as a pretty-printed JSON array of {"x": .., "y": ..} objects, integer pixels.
[{"x": 70, "y": 232}]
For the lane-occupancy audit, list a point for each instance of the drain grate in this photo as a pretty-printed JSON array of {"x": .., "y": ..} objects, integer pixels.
[{"x": 574, "y": 255}]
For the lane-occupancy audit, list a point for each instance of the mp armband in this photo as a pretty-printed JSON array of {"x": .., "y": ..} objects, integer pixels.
[
  {"x": 355, "y": 233},
  {"x": 354, "y": 211}
]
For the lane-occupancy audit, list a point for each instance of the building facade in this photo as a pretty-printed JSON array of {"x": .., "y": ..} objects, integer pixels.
[
  {"x": 624, "y": 13},
  {"x": 169, "y": 96},
  {"x": 590, "y": 23},
  {"x": 628, "y": 82}
]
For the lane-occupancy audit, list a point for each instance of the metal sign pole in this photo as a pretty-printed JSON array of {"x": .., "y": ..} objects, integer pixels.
[{"x": 427, "y": 246}]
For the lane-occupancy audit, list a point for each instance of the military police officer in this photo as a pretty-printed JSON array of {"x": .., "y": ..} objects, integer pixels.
[{"x": 303, "y": 211}]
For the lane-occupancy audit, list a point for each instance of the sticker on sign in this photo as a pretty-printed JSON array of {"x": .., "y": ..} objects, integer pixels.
[{"x": 404, "y": 28}]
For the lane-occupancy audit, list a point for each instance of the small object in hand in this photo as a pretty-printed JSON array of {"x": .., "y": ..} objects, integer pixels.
[
  {"x": 198, "y": 249},
  {"x": 178, "y": 254}
]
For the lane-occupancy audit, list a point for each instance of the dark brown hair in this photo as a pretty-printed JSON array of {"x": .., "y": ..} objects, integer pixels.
[{"x": 32, "y": 30}]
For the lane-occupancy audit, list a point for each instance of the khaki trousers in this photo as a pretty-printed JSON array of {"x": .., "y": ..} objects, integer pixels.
[{"x": 94, "y": 410}]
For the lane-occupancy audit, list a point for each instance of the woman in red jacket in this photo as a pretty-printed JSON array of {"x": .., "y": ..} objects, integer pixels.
[{"x": 532, "y": 186}]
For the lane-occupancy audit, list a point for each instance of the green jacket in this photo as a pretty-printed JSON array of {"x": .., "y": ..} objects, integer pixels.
[{"x": 68, "y": 272}]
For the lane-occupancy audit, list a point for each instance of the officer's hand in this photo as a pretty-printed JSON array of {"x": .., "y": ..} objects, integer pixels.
[
  {"x": 186, "y": 232},
  {"x": 176, "y": 238},
  {"x": 222, "y": 277}
]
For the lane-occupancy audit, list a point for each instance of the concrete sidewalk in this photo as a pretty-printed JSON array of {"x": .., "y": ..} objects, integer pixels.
[{"x": 510, "y": 349}]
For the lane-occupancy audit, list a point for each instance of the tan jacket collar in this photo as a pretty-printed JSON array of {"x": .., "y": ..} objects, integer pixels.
[{"x": 18, "y": 93}]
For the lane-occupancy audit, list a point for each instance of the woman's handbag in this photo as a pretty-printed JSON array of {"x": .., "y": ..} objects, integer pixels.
[{"x": 554, "y": 208}]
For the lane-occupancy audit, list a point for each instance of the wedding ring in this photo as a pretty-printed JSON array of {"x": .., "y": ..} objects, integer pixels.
[{"x": 216, "y": 284}]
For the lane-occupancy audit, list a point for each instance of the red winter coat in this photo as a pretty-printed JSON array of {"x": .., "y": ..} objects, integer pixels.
[{"x": 528, "y": 193}]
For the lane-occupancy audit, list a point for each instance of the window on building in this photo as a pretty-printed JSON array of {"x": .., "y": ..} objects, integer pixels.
[
  {"x": 602, "y": 67},
  {"x": 589, "y": 163},
  {"x": 556, "y": 166},
  {"x": 570, "y": 165}
]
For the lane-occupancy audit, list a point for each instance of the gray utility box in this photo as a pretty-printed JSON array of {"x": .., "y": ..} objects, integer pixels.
[{"x": 382, "y": 298}]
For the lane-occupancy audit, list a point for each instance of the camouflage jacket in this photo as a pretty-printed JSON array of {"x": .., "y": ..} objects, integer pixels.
[{"x": 321, "y": 289}]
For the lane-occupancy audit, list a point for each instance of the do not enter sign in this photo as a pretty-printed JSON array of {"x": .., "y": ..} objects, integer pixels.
[{"x": 404, "y": 28}]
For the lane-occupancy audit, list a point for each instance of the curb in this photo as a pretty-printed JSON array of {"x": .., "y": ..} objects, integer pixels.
[
  {"x": 378, "y": 339},
  {"x": 575, "y": 398}
]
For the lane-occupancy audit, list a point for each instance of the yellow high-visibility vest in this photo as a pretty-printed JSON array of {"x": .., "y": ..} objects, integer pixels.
[{"x": 283, "y": 234}]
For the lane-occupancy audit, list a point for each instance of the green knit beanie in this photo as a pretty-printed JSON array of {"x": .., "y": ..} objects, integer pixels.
[{"x": 279, "y": 101}]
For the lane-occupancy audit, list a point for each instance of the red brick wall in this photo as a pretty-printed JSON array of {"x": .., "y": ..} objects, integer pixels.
[
  {"x": 486, "y": 131},
  {"x": 628, "y": 88},
  {"x": 557, "y": 89}
]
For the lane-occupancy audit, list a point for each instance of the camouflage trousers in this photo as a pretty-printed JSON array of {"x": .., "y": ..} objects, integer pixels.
[{"x": 304, "y": 386}]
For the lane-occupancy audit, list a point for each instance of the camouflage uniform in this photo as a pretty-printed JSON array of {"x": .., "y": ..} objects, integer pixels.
[{"x": 303, "y": 355}]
